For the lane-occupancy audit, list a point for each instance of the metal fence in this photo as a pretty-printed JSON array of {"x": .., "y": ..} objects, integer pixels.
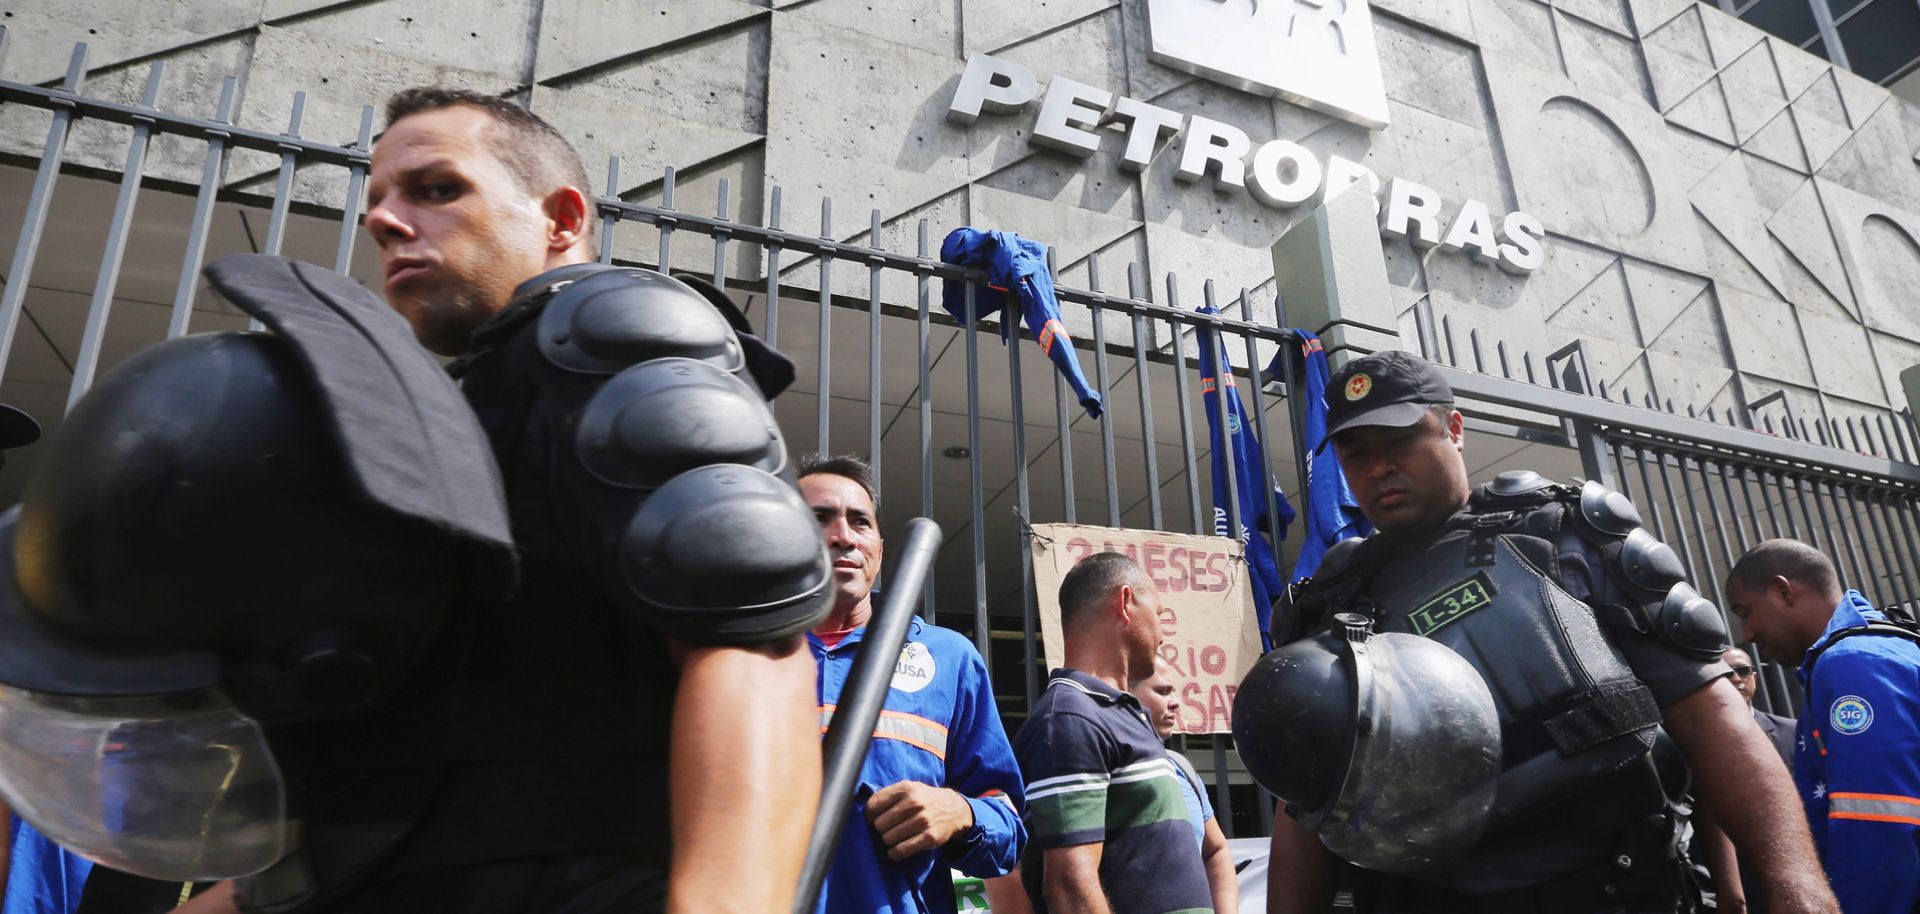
[{"x": 1710, "y": 485}]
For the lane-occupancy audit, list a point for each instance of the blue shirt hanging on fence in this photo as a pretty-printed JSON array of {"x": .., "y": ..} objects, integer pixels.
[
  {"x": 1251, "y": 477},
  {"x": 1016, "y": 267},
  {"x": 1332, "y": 512}
]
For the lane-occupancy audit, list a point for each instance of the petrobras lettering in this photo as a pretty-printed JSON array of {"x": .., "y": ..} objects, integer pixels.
[{"x": 1075, "y": 118}]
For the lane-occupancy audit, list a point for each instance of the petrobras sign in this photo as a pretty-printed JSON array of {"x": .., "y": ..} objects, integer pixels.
[
  {"x": 1075, "y": 118},
  {"x": 1316, "y": 53}
]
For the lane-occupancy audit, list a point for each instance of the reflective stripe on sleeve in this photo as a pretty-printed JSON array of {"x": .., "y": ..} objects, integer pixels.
[
  {"x": 911, "y": 729},
  {"x": 1874, "y": 807}
]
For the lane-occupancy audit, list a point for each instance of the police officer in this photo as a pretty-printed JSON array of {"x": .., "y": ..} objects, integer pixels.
[
  {"x": 293, "y": 608},
  {"x": 1857, "y": 746},
  {"x": 1514, "y": 772}
]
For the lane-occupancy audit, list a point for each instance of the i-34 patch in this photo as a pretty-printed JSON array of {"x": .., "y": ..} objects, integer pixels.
[{"x": 1467, "y": 596}]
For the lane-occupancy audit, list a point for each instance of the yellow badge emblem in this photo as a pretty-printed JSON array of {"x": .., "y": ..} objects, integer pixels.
[{"x": 1359, "y": 386}]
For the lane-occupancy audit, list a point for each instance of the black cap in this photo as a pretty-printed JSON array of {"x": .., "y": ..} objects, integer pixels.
[{"x": 1390, "y": 388}]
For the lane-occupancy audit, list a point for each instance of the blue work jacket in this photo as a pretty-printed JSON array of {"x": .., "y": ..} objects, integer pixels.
[
  {"x": 938, "y": 726},
  {"x": 1857, "y": 763}
]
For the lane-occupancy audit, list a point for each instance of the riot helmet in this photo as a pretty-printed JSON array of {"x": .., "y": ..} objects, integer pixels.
[
  {"x": 1386, "y": 745},
  {"x": 203, "y": 552}
]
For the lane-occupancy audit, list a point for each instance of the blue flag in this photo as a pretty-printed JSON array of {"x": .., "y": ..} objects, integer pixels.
[
  {"x": 1243, "y": 458},
  {"x": 1016, "y": 267},
  {"x": 1332, "y": 513}
]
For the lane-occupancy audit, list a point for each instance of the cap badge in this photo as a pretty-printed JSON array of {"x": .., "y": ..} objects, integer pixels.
[{"x": 1359, "y": 386}]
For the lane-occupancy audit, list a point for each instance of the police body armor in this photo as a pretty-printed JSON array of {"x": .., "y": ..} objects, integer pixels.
[
  {"x": 650, "y": 496},
  {"x": 1576, "y": 726},
  {"x": 460, "y": 720}
]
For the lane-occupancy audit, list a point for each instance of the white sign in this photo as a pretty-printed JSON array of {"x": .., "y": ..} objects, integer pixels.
[
  {"x": 1076, "y": 118},
  {"x": 1317, "y": 53},
  {"x": 1206, "y": 615}
]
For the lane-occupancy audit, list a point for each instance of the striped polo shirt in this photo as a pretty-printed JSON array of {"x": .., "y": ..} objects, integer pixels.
[{"x": 1097, "y": 774}]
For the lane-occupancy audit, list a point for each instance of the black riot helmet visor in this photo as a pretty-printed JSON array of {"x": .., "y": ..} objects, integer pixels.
[{"x": 206, "y": 553}]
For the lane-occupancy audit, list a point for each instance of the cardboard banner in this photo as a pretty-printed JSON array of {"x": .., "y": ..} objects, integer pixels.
[{"x": 1212, "y": 638}]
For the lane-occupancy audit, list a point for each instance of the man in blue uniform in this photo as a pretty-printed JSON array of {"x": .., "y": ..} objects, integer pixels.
[
  {"x": 1857, "y": 750},
  {"x": 940, "y": 789}
]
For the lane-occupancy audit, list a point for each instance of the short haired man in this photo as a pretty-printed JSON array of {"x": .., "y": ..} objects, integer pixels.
[
  {"x": 481, "y": 214},
  {"x": 1522, "y": 582},
  {"x": 1156, "y": 696},
  {"x": 1857, "y": 760},
  {"x": 941, "y": 790},
  {"x": 1110, "y": 831}
]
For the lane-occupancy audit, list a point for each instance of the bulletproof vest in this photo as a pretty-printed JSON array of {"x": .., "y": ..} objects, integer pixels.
[
  {"x": 1571, "y": 711},
  {"x": 539, "y": 724}
]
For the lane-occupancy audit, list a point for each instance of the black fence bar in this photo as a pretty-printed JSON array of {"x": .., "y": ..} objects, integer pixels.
[
  {"x": 1106, "y": 415},
  {"x": 95, "y": 333},
  {"x": 610, "y": 217},
  {"x": 356, "y": 185},
  {"x": 825, "y": 373},
  {"x": 202, "y": 219},
  {"x": 1023, "y": 509},
  {"x": 923, "y": 332},
  {"x": 982, "y": 626},
  {"x": 1183, "y": 402},
  {"x": 874, "y": 420},
  {"x": 14, "y": 295},
  {"x": 1069, "y": 503},
  {"x": 1143, "y": 387},
  {"x": 283, "y": 181},
  {"x": 668, "y": 219},
  {"x": 772, "y": 254},
  {"x": 720, "y": 237}
]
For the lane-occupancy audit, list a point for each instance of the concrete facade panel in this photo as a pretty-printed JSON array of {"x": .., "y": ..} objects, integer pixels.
[
  {"x": 1770, "y": 345},
  {"x": 1686, "y": 240},
  {"x": 578, "y": 34}
]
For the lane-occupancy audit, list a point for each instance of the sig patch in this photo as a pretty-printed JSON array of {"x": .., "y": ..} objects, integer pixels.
[
  {"x": 1471, "y": 594},
  {"x": 1851, "y": 714}
]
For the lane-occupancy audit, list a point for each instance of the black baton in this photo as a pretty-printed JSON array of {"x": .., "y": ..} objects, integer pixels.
[{"x": 851, "y": 732}]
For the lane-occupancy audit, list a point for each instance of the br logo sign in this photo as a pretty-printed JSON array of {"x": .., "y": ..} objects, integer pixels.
[{"x": 1317, "y": 53}]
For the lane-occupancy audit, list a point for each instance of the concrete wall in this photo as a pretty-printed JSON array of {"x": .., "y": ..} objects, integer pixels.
[{"x": 1728, "y": 216}]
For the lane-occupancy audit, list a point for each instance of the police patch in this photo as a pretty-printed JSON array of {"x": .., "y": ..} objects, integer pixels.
[
  {"x": 1852, "y": 714},
  {"x": 1467, "y": 596},
  {"x": 1359, "y": 386}
]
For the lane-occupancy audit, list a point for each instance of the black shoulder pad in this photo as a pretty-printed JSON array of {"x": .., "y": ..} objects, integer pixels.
[
  {"x": 1691, "y": 624},
  {"x": 1606, "y": 514},
  {"x": 621, "y": 316},
  {"x": 664, "y": 417},
  {"x": 1517, "y": 482},
  {"x": 726, "y": 555}
]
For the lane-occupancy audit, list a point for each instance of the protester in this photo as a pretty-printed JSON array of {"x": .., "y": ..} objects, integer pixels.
[
  {"x": 1582, "y": 658},
  {"x": 1109, "y": 830},
  {"x": 941, "y": 787},
  {"x": 1155, "y": 694},
  {"x": 1857, "y": 758}
]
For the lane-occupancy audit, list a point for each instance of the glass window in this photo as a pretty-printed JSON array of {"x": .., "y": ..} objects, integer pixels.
[
  {"x": 1882, "y": 39},
  {"x": 1791, "y": 20}
]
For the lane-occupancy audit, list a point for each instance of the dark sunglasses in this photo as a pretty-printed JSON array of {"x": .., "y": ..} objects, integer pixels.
[{"x": 1743, "y": 671}]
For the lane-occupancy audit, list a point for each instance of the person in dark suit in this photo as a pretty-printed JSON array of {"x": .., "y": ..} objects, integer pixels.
[
  {"x": 1746, "y": 678},
  {"x": 1735, "y": 886}
]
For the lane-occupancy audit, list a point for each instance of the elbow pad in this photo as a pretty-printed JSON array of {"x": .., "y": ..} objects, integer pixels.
[
  {"x": 1651, "y": 575},
  {"x": 671, "y": 453}
]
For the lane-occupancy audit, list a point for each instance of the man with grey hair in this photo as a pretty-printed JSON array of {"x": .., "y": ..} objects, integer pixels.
[{"x": 1857, "y": 748}]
